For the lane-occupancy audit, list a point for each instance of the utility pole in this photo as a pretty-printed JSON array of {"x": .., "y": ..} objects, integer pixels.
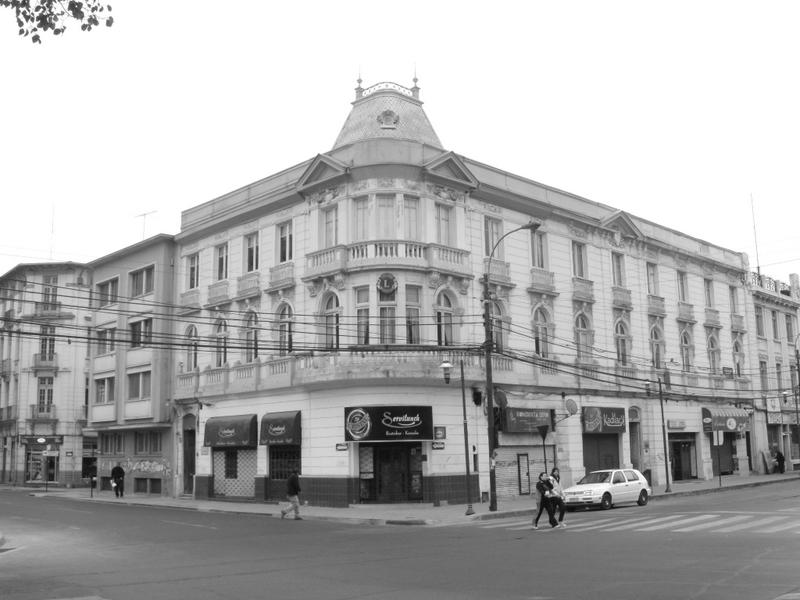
[{"x": 667, "y": 490}]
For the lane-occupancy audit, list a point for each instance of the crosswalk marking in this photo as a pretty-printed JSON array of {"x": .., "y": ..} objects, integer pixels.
[
  {"x": 792, "y": 524},
  {"x": 599, "y": 524},
  {"x": 750, "y": 524},
  {"x": 714, "y": 523},
  {"x": 674, "y": 523},
  {"x": 642, "y": 522},
  {"x": 507, "y": 524}
]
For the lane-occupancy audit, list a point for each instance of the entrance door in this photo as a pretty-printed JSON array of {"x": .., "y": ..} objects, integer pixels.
[
  {"x": 523, "y": 474},
  {"x": 188, "y": 461},
  {"x": 684, "y": 460},
  {"x": 392, "y": 463},
  {"x": 600, "y": 451}
]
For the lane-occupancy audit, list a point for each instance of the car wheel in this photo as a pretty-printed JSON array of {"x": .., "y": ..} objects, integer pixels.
[
  {"x": 643, "y": 498},
  {"x": 605, "y": 501}
]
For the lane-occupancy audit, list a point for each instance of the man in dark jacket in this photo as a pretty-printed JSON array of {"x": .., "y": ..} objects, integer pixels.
[
  {"x": 545, "y": 489},
  {"x": 118, "y": 480},
  {"x": 293, "y": 496}
]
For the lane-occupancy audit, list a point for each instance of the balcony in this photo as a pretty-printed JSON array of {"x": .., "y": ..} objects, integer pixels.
[
  {"x": 712, "y": 318},
  {"x": 248, "y": 285},
  {"x": 43, "y": 412},
  {"x": 340, "y": 260},
  {"x": 655, "y": 306},
  {"x": 686, "y": 312},
  {"x": 582, "y": 289},
  {"x": 9, "y": 413},
  {"x": 190, "y": 300},
  {"x": 281, "y": 277},
  {"x": 621, "y": 298},
  {"x": 542, "y": 282},
  {"x": 46, "y": 362},
  {"x": 218, "y": 293}
]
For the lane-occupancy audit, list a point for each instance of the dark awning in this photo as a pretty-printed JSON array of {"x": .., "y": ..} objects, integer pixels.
[
  {"x": 232, "y": 431},
  {"x": 280, "y": 428},
  {"x": 725, "y": 418}
]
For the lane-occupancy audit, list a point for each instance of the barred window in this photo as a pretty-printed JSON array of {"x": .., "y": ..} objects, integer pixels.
[{"x": 282, "y": 460}]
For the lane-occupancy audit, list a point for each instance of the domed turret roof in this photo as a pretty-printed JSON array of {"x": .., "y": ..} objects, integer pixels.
[{"x": 387, "y": 110}]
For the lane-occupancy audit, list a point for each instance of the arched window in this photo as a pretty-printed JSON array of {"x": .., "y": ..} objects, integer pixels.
[
  {"x": 192, "y": 343},
  {"x": 657, "y": 347},
  {"x": 621, "y": 342},
  {"x": 284, "y": 329},
  {"x": 331, "y": 319},
  {"x": 498, "y": 326},
  {"x": 686, "y": 351},
  {"x": 541, "y": 333},
  {"x": 583, "y": 338},
  {"x": 221, "y": 343},
  {"x": 713, "y": 354},
  {"x": 444, "y": 320},
  {"x": 251, "y": 337}
]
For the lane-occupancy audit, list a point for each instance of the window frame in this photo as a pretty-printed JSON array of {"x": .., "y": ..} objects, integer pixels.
[
  {"x": 221, "y": 255},
  {"x": 251, "y": 252},
  {"x": 142, "y": 281},
  {"x": 193, "y": 271},
  {"x": 108, "y": 292},
  {"x": 285, "y": 239},
  {"x": 143, "y": 386},
  {"x": 579, "y": 260}
]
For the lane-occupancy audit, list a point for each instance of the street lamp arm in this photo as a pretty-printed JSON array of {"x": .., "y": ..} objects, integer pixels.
[{"x": 531, "y": 226}]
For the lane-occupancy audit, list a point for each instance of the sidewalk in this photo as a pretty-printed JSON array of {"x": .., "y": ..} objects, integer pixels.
[{"x": 397, "y": 514}]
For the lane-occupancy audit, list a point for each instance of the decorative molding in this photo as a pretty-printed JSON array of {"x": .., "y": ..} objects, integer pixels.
[
  {"x": 388, "y": 119},
  {"x": 445, "y": 193},
  {"x": 325, "y": 195},
  {"x": 386, "y": 182}
]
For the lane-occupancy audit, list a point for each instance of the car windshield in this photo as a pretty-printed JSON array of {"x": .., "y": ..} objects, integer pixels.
[{"x": 596, "y": 477}]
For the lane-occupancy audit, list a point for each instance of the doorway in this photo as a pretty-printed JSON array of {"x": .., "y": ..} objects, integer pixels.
[
  {"x": 189, "y": 438},
  {"x": 391, "y": 472},
  {"x": 524, "y": 474},
  {"x": 684, "y": 459}
]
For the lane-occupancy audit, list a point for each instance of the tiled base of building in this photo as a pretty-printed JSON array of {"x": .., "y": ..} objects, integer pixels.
[{"x": 341, "y": 492}]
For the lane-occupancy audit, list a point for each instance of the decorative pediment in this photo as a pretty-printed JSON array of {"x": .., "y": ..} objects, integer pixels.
[
  {"x": 622, "y": 223},
  {"x": 449, "y": 168},
  {"x": 323, "y": 171}
]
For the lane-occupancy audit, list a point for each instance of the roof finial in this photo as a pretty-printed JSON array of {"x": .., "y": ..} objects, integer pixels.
[
  {"x": 415, "y": 89},
  {"x": 359, "y": 89}
]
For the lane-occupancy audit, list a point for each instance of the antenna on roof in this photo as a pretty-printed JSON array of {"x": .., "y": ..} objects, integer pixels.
[
  {"x": 144, "y": 219},
  {"x": 755, "y": 238},
  {"x": 52, "y": 228}
]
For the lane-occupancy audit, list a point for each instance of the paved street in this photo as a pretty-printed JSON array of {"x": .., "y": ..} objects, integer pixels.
[{"x": 740, "y": 544}]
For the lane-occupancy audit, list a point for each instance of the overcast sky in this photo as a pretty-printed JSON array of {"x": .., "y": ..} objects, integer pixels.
[{"x": 677, "y": 112}]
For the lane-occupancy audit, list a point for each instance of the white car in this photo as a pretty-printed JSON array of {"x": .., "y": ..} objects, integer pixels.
[{"x": 607, "y": 488}]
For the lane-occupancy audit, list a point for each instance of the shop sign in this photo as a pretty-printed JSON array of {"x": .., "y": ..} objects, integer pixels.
[
  {"x": 388, "y": 423},
  {"x": 676, "y": 424},
  {"x": 724, "y": 419},
  {"x": 438, "y": 445},
  {"x": 602, "y": 419},
  {"x": 440, "y": 433},
  {"x": 527, "y": 420},
  {"x": 774, "y": 418},
  {"x": 341, "y": 446},
  {"x": 55, "y": 440}
]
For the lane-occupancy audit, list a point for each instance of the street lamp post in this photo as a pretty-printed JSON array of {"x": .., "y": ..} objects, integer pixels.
[
  {"x": 488, "y": 342},
  {"x": 796, "y": 393},
  {"x": 446, "y": 369}
]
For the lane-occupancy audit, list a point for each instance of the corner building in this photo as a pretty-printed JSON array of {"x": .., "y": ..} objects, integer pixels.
[{"x": 316, "y": 306}]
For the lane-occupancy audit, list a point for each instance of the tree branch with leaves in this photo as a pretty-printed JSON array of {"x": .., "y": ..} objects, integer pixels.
[{"x": 37, "y": 17}]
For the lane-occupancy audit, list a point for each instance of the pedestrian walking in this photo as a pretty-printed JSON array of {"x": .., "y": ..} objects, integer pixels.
[
  {"x": 118, "y": 480},
  {"x": 780, "y": 459},
  {"x": 557, "y": 498},
  {"x": 544, "y": 487},
  {"x": 293, "y": 496}
]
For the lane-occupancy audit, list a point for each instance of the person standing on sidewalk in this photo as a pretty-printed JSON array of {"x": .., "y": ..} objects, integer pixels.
[
  {"x": 118, "y": 480},
  {"x": 557, "y": 497},
  {"x": 545, "y": 489},
  {"x": 780, "y": 459},
  {"x": 293, "y": 496}
]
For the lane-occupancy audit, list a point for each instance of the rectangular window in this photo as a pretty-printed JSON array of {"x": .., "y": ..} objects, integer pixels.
[
  {"x": 330, "y": 227},
  {"x": 104, "y": 390},
  {"x": 112, "y": 443},
  {"x": 789, "y": 328},
  {"x": 360, "y": 219},
  {"x": 362, "y": 315},
  {"x": 652, "y": 279},
  {"x": 683, "y": 287},
  {"x": 47, "y": 342},
  {"x": 779, "y": 377},
  {"x": 387, "y": 220},
  {"x": 139, "y": 386},
  {"x": 105, "y": 340},
  {"x": 141, "y": 333},
  {"x": 108, "y": 292},
  {"x": 413, "y": 294},
  {"x": 538, "y": 258},
  {"x": 251, "y": 253},
  {"x": 708, "y": 286},
  {"x": 387, "y": 314},
  {"x": 618, "y": 269},
  {"x": 759, "y": 321},
  {"x": 285, "y": 242},
  {"x": 45, "y": 394},
  {"x": 492, "y": 232},
  {"x": 142, "y": 281},
  {"x": 193, "y": 270},
  {"x": 762, "y": 371},
  {"x": 147, "y": 442},
  {"x": 221, "y": 260},
  {"x": 50, "y": 292},
  {"x": 579, "y": 259},
  {"x": 411, "y": 217},
  {"x": 776, "y": 335},
  {"x": 443, "y": 225},
  {"x": 793, "y": 376},
  {"x": 733, "y": 295}
]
